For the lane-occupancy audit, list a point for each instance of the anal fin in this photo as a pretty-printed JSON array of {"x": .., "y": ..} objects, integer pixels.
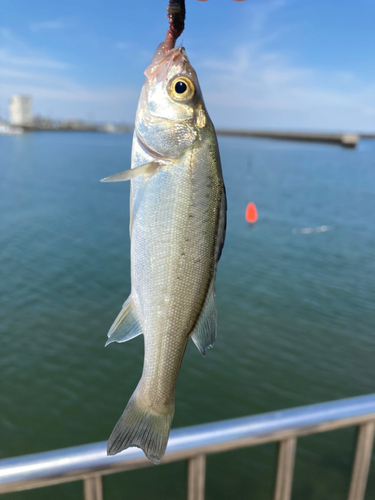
[
  {"x": 204, "y": 333},
  {"x": 126, "y": 326}
]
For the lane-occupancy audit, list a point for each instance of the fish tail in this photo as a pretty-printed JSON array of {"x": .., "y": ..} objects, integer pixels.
[{"x": 144, "y": 428}]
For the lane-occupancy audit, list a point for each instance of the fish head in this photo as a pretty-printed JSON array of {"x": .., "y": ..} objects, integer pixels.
[{"x": 171, "y": 109}]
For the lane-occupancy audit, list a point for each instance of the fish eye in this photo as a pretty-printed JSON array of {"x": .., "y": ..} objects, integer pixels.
[{"x": 181, "y": 88}]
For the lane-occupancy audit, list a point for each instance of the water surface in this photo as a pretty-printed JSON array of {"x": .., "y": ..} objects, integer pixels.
[{"x": 296, "y": 321}]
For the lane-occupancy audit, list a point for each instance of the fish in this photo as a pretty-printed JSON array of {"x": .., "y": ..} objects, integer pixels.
[{"x": 177, "y": 231}]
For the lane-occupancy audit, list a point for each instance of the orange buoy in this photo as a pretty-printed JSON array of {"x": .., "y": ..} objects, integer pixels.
[{"x": 251, "y": 213}]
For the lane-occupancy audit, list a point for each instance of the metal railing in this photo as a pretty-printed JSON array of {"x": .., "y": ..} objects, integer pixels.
[{"x": 90, "y": 462}]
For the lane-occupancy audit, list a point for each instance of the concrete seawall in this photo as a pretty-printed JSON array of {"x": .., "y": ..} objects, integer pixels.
[{"x": 348, "y": 140}]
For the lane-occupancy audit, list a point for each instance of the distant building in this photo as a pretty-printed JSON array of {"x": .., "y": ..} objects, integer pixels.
[
  {"x": 110, "y": 128},
  {"x": 21, "y": 110}
]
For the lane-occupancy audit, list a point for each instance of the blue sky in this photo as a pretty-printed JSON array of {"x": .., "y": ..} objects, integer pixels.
[{"x": 282, "y": 64}]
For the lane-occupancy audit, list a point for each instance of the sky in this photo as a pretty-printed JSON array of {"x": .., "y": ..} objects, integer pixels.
[{"x": 264, "y": 64}]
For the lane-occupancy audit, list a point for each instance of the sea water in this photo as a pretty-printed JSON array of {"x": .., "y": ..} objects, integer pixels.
[{"x": 296, "y": 321}]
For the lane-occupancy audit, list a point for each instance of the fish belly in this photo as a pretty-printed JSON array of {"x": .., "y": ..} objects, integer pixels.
[{"x": 175, "y": 214}]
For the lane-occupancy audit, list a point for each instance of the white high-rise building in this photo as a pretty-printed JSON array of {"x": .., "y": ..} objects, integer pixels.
[{"x": 21, "y": 110}]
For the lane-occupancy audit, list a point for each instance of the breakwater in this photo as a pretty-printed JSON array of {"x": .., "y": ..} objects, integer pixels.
[{"x": 349, "y": 140}]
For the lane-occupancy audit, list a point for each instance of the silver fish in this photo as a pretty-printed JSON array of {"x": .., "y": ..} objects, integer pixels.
[{"x": 177, "y": 230}]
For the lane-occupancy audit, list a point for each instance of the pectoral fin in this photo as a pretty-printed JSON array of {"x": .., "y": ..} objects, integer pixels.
[
  {"x": 126, "y": 326},
  {"x": 126, "y": 175},
  {"x": 204, "y": 333}
]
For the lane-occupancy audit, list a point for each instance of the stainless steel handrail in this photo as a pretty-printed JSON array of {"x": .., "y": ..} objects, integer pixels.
[{"x": 90, "y": 462}]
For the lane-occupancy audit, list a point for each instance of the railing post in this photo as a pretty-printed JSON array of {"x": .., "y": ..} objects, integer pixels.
[
  {"x": 93, "y": 488},
  {"x": 196, "y": 477},
  {"x": 362, "y": 461},
  {"x": 285, "y": 469}
]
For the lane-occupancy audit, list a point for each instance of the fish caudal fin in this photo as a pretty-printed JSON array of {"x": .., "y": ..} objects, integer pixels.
[{"x": 142, "y": 428}]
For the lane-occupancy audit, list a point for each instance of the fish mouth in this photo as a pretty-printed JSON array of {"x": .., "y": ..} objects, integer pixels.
[
  {"x": 162, "y": 62},
  {"x": 149, "y": 150}
]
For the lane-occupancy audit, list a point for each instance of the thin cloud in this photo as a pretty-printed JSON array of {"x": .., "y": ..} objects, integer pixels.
[
  {"x": 258, "y": 14},
  {"x": 15, "y": 53},
  {"x": 253, "y": 85},
  {"x": 256, "y": 85},
  {"x": 24, "y": 70},
  {"x": 123, "y": 45},
  {"x": 129, "y": 48},
  {"x": 72, "y": 93},
  {"x": 57, "y": 24},
  {"x": 10, "y": 58}
]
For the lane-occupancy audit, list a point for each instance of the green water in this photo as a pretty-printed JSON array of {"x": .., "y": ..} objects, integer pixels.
[{"x": 296, "y": 322}]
